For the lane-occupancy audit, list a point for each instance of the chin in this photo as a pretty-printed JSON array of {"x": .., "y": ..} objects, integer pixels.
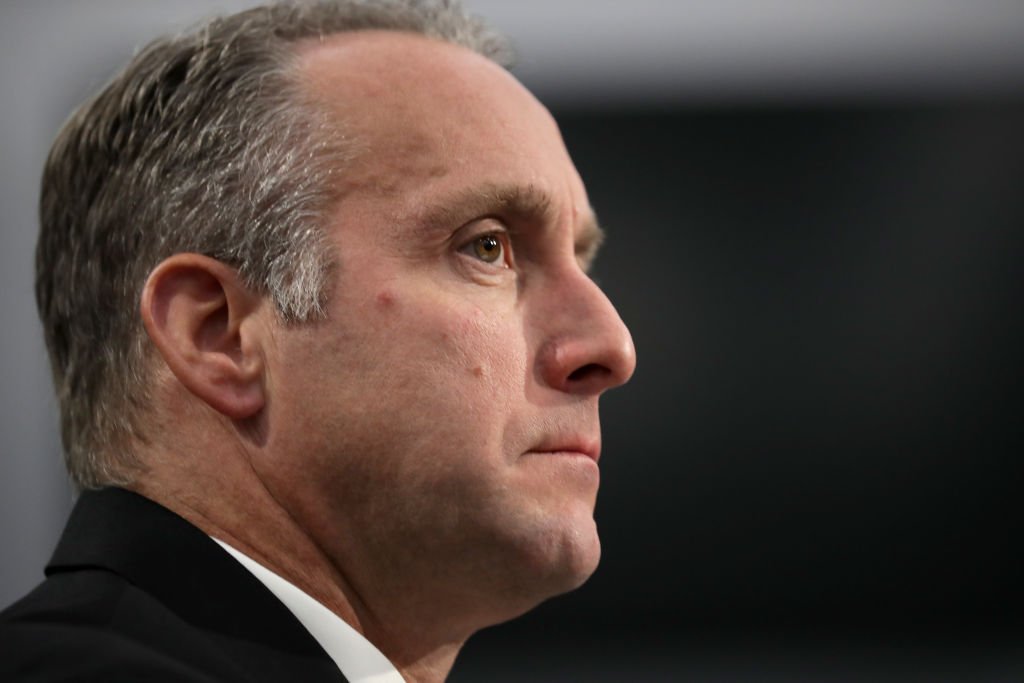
[
  {"x": 530, "y": 568},
  {"x": 583, "y": 563},
  {"x": 562, "y": 560}
]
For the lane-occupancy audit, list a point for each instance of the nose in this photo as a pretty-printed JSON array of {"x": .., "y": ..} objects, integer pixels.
[{"x": 587, "y": 349}]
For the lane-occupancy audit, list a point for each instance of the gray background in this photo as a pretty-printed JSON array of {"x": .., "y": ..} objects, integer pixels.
[{"x": 816, "y": 217}]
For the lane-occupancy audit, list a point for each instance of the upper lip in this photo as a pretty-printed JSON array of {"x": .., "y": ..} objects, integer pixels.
[{"x": 588, "y": 446}]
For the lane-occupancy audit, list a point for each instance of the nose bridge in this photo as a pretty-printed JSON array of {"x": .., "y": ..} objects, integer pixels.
[{"x": 587, "y": 347}]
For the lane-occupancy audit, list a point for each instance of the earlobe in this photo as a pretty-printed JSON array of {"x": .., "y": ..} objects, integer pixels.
[{"x": 204, "y": 322}]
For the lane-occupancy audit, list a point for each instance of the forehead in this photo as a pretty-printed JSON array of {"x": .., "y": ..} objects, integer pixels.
[
  {"x": 395, "y": 74},
  {"x": 426, "y": 116}
]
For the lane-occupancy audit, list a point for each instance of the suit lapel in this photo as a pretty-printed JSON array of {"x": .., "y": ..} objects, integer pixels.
[{"x": 179, "y": 565}]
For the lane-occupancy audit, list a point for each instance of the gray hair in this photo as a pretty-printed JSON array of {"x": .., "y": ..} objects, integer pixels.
[{"x": 206, "y": 143}]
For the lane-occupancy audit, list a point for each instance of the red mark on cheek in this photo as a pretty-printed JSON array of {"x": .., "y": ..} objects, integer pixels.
[
  {"x": 386, "y": 300},
  {"x": 478, "y": 371}
]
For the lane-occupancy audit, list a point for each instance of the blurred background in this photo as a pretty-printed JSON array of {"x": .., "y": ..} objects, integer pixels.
[{"x": 816, "y": 235}]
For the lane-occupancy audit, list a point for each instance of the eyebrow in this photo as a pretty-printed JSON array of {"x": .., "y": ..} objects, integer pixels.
[{"x": 526, "y": 203}]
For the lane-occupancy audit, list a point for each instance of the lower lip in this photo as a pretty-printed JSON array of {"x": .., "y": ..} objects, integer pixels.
[
  {"x": 571, "y": 454},
  {"x": 565, "y": 467}
]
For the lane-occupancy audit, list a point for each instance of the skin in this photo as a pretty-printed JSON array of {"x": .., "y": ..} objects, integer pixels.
[{"x": 424, "y": 460}]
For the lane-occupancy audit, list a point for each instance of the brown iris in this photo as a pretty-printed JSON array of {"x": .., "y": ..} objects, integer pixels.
[{"x": 488, "y": 248}]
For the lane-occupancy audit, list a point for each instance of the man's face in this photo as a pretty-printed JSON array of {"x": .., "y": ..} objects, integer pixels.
[{"x": 442, "y": 422}]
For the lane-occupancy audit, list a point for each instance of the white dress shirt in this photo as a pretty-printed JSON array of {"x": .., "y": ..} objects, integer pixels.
[{"x": 357, "y": 658}]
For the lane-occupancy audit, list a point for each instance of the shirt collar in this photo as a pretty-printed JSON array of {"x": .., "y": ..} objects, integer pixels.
[{"x": 357, "y": 657}]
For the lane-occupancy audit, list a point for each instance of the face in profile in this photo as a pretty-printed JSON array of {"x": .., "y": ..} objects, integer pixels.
[{"x": 442, "y": 421}]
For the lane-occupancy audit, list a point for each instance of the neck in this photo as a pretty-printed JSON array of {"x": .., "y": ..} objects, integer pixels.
[{"x": 219, "y": 494}]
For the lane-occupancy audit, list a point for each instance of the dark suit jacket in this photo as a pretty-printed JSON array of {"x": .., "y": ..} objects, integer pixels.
[{"x": 136, "y": 593}]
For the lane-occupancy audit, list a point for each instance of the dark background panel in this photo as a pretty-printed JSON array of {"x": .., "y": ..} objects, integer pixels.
[{"x": 816, "y": 469}]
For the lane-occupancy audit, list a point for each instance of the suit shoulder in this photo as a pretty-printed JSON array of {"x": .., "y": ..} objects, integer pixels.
[
  {"x": 92, "y": 625},
  {"x": 38, "y": 653}
]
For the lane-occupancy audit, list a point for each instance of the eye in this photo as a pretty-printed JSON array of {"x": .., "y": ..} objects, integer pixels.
[{"x": 489, "y": 248}]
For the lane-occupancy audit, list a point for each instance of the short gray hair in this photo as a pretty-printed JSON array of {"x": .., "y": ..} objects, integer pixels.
[{"x": 205, "y": 143}]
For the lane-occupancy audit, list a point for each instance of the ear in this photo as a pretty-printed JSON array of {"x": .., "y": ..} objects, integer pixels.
[{"x": 204, "y": 323}]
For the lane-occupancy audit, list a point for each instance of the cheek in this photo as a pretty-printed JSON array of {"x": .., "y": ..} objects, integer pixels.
[
  {"x": 449, "y": 380},
  {"x": 464, "y": 380},
  {"x": 431, "y": 357},
  {"x": 449, "y": 338},
  {"x": 491, "y": 346}
]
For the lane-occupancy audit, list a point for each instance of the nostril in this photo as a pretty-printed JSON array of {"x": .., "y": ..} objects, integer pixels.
[{"x": 588, "y": 371}]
